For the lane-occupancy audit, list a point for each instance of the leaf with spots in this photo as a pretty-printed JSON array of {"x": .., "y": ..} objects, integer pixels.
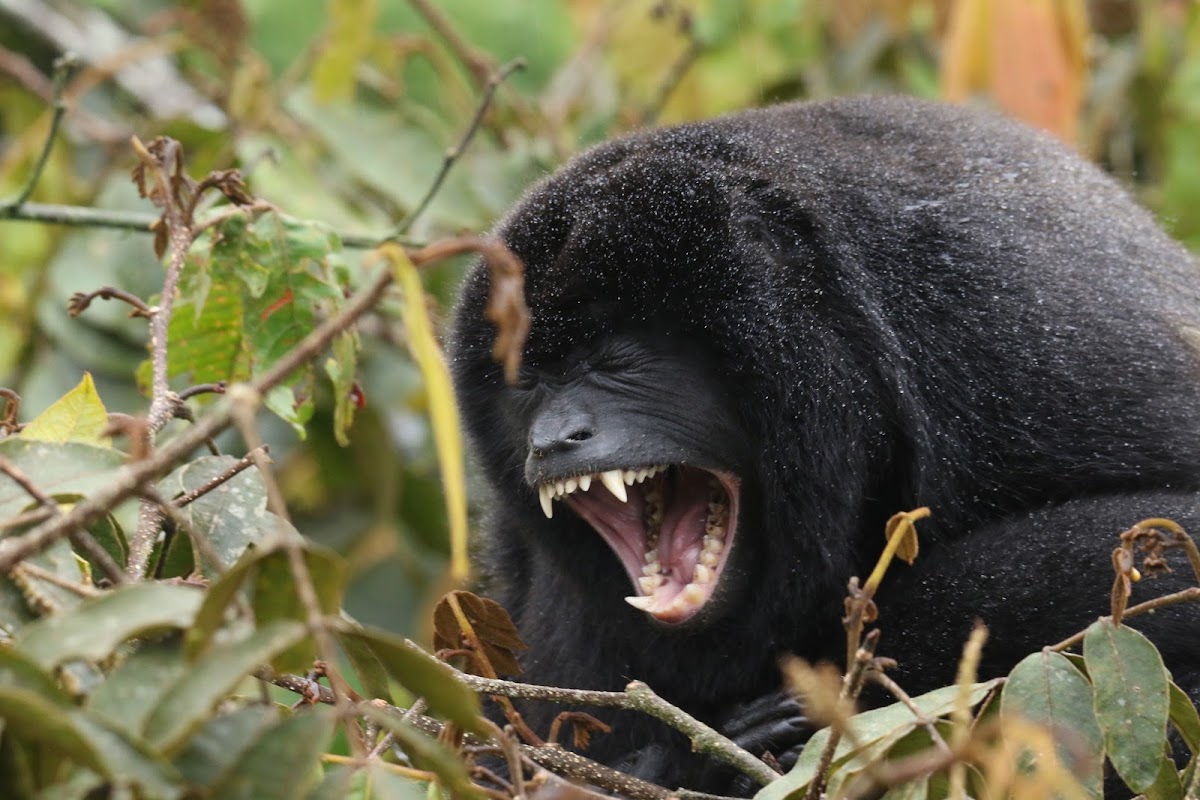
[{"x": 1131, "y": 690}]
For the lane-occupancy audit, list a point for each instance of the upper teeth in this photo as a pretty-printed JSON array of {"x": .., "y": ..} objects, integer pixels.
[{"x": 615, "y": 480}]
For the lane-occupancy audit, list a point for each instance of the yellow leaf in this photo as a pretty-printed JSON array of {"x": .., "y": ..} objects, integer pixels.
[
  {"x": 77, "y": 416},
  {"x": 442, "y": 409},
  {"x": 347, "y": 41}
]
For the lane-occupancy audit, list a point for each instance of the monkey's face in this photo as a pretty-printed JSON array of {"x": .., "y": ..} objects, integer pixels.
[{"x": 633, "y": 435}]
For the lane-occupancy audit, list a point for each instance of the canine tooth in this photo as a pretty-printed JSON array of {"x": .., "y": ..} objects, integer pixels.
[
  {"x": 545, "y": 494},
  {"x": 702, "y": 574},
  {"x": 650, "y": 582},
  {"x": 630, "y": 476},
  {"x": 710, "y": 559},
  {"x": 585, "y": 482},
  {"x": 572, "y": 484},
  {"x": 641, "y": 603},
  {"x": 612, "y": 481},
  {"x": 692, "y": 594}
]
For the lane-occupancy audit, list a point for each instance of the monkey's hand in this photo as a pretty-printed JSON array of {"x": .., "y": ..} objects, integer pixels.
[{"x": 775, "y": 724}]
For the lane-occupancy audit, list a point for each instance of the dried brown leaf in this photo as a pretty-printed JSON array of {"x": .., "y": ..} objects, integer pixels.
[{"x": 494, "y": 628}]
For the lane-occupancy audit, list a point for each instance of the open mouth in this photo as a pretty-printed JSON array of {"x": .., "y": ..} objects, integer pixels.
[{"x": 672, "y": 528}]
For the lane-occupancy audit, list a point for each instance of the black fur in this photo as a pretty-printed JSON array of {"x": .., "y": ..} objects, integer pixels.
[{"x": 900, "y": 304}]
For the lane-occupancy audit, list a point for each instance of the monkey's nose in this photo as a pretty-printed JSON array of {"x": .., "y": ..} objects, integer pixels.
[{"x": 555, "y": 433}]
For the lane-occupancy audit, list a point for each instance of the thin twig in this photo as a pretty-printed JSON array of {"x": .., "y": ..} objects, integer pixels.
[
  {"x": 34, "y": 571},
  {"x": 1188, "y": 595},
  {"x": 453, "y": 154},
  {"x": 80, "y": 301},
  {"x": 31, "y": 517},
  {"x": 239, "y": 466},
  {"x": 478, "y": 64},
  {"x": 893, "y": 688},
  {"x": 202, "y": 388},
  {"x": 852, "y": 684},
  {"x": 63, "y": 65}
]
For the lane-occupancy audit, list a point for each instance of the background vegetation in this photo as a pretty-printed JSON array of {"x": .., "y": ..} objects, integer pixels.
[{"x": 342, "y": 113}]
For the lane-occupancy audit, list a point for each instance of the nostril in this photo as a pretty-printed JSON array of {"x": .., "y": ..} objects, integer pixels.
[{"x": 581, "y": 435}]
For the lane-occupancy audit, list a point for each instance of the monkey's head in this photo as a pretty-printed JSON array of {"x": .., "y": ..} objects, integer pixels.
[{"x": 647, "y": 396}]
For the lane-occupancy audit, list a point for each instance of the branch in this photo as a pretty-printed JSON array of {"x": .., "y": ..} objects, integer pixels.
[
  {"x": 1188, "y": 595},
  {"x": 478, "y": 64},
  {"x": 636, "y": 697},
  {"x": 63, "y": 65},
  {"x": 552, "y": 757},
  {"x": 136, "y": 221},
  {"x": 453, "y": 154}
]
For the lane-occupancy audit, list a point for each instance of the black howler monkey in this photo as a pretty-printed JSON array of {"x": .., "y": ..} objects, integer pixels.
[{"x": 756, "y": 338}]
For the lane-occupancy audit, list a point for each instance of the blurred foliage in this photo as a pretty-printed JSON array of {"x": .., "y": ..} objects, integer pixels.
[{"x": 342, "y": 111}]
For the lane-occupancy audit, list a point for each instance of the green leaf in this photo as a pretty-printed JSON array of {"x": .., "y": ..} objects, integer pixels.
[
  {"x": 188, "y": 703},
  {"x": 67, "y": 470},
  {"x": 348, "y": 39},
  {"x": 18, "y": 671},
  {"x": 367, "y": 667},
  {"x": 94, "y": 629},
  {"x": 276, "y": 597},
  {"x": 133, "y": 689},
  {"x": 68, "y": 732},
  {"x": 890, "y": 723},
  {"x": 1131, "y": 697},
  {"x": 421, "y": 674},
  {"x": 77, "y": 416},
  {"x": 426, "y": 752},
  {"x": 231, "y": 516},
  {"x": 1046, "y": 689},
  {"x": 1185, "y": 718},
  {"x": 217, "y": 746},
  {"x": 283, "y": 763},
  {"x": 1167, "y": 785},
  {"x": 219, "y": 596},
  {"x": 206, "y": 336}
]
